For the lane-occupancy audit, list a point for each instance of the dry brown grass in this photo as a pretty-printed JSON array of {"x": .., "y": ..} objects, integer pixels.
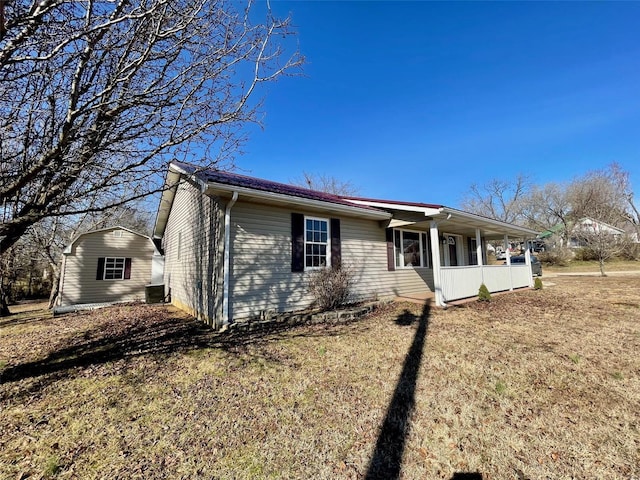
[{"x": 539, "y": 384}]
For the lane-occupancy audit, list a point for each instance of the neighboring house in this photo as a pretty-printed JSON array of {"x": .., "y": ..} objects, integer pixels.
[
  {"x": 238, "y": 247},
  {"x": 583, "y": 227},
  {"x": 109, "y": 265}
]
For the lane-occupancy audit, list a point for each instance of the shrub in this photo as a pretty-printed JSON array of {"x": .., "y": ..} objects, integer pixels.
[
  {"x": 585, "y": 254},
  {"x": 556, "y": 256},
  {"x": 537, "y": 284},
  {"x": 483, "y": 294},
  {"x": 331, "y": 287},
  {"x": 630, "y": 251}
]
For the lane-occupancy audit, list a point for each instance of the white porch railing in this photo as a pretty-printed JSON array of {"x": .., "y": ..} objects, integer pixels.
[{"x": 464, "y": 282}]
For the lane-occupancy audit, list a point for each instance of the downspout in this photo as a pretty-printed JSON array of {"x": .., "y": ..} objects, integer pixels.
[{"x": 227, "y": 260}]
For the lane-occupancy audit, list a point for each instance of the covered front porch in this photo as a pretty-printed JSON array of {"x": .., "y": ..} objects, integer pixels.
[
  {"x": 456, "y": 278},
  {"x": 456, "y": 249}
]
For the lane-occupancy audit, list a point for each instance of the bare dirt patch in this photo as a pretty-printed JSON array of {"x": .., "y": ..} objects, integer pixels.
[{"x": 539, "y": 384}]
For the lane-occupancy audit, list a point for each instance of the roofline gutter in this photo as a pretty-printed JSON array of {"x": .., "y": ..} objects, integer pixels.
[
  {"x": 355, "y": 210},
  {"x": 497, "y": 223},
  {"x": 227, "y": 260}
]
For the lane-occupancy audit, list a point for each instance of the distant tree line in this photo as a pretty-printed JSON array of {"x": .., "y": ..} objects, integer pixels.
[{"x": 605, "y": 196}]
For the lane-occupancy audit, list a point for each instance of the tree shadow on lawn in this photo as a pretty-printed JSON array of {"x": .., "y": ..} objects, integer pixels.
[
  {"x": 386, "y": 461},
  {"x": 152, "y": 332}
]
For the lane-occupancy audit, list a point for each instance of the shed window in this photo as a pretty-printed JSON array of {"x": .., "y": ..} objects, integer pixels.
[{"x": 114, "y": 268}]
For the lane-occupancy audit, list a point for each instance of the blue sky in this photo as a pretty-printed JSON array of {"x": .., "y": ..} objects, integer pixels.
[{"x": 418, "y": 100}]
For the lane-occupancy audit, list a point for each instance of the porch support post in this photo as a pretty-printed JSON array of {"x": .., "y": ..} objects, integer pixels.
[
  {"x": 435, "y": 261},
  {"x": 508, "y": 257},
  {"x": 479, "y": 247},
  {"x": 506, "y": 249},
  {"x": 527, "y": 260}
]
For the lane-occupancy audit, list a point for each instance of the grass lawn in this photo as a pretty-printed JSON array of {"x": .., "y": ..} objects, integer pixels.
[
  {"x": 538, "y": 384},
  {"x": 593, "y": 266}
]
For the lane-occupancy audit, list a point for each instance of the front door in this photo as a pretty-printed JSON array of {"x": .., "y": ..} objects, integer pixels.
[{"x": 453, "y": 251}]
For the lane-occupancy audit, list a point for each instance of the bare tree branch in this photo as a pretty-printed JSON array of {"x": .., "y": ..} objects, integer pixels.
[{"x": 97, "y": 97}]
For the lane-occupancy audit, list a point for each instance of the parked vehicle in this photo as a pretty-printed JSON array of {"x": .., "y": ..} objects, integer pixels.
[
  {"x": 536, "y": 266},
  {"x": 536, "y": 246}
]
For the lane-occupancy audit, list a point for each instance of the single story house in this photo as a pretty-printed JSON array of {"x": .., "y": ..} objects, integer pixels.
[
  {"x": 238, "y": 247},
  {"x": 109, "y": 265},
  {"x": 582, "y": 228}
]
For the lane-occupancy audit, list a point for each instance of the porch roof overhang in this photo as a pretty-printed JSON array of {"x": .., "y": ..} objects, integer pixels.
[{"x": 450, "y": 220}]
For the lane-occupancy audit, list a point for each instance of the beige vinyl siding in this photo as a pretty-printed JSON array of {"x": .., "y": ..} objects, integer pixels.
[
  {"x": 79, "y": 284},
  {"x": 261, "y": 277},
  {"x": 364, "y": 248},
  {"x": 194, "y": 280}
]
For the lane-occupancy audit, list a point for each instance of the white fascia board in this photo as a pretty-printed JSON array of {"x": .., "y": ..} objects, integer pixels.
[
  {"x": 488, "y": 221},
  {"x": 69, "y": 248},
  {"x": 395, "y": 223},
  {"x": 272, "y": 197},
  {"x": 166, "y": 199},
  {"x": 428, "y": 212}
]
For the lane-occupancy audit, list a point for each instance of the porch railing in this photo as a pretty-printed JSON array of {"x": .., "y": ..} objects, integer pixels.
[{"x": 464, "y": 282}]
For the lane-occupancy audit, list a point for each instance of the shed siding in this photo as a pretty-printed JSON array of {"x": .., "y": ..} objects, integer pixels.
[
  {"x": 195, "y": 279},
  {"x": 261, "y": 277},
  {"x": 80, "y": 284}
]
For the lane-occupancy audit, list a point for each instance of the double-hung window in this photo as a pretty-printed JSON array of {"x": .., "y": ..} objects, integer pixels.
[
  {"x": 316, "y": 242},
  {"x": 410, "y": 249},
  {"x": 113, "y": 268}
]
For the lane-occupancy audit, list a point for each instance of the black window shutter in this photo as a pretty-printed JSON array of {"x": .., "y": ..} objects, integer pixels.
[
  {"x": 391, "y": 261},
  {"x": 336, "y": 248},
  {"x": 100, "y": 272},
  {"x": 127, "y": 268},
  {"x": 297, "y": 242}
]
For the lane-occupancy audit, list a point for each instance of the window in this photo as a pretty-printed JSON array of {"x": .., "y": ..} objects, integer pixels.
[
  {"x": 410, "y": 249},
  {"x": 316, "y": 242},
  {"x": 179, "y": 245},
  {"x": 113, "y": 268}
]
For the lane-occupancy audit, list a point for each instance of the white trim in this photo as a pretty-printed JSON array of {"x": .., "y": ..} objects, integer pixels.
[
  {"x": 459, "y": 250},
  {"x": 424, "y": 249},
  {"x": 355, "y": 210},
  {"x": 428, "y": 212},
  {"x": 114, "y": 267},
  {"x": 69, "y": 248},
  {"x": 327, "y": 243}
]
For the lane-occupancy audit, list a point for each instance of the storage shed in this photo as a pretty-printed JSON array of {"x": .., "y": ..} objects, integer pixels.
[{"x": 109, "y": 265}]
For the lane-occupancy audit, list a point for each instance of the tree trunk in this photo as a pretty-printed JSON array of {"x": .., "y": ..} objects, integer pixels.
[
  {"x": 601, "y": 262},
  {"x": 4, "y": 303},
  {"x": 55, "y": 285}
]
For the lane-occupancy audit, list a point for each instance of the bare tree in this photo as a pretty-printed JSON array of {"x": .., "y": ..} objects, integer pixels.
[
  {"x": 548, "y": 207},
  {"x": 601, "y": 240},
  {"x": 326, "y": 183},
  {"x": 499, "y": 199},
  {"x": 96, "y": 97},
  {"x": 622, "y": 184}
]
